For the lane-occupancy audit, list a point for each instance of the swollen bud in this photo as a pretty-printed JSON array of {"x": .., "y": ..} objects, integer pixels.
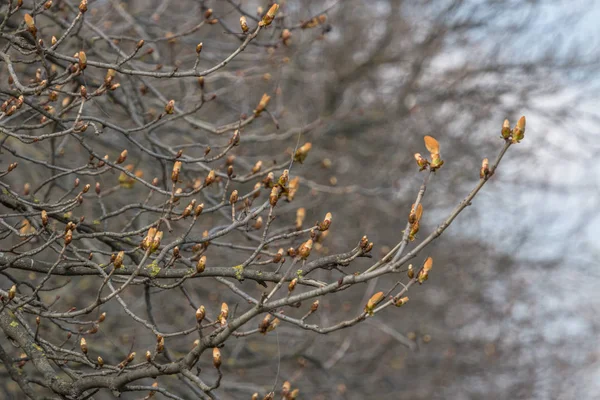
[
  {"x": 216, "y": 357},
  {"x": 373, "y": 301},
  {"x": 519, "y": 131},
  {"x": 269, "y": 16},
  {"x": 484, "y": 172},
  {"x": 505, "y": 130},
  {"x": 201, "y": 265}
]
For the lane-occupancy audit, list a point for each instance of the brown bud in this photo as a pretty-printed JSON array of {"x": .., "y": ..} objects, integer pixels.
[
  {"x": 244, "y": 24},
  {"x": 208, "y": 13},
  {"x": 485, "y": 170},
  {"x": 30, "y": 22},
  {"x": 264, "y": 101},
  {"x": 199, "y": 47},
  {"x": 292, "y": 252},
  {"x": 302, "y": 152},
  {"x": 122, "y": 157},
  {"x": 424, "y": 273},
  {"x": 269, "y": 16},
  {"x": 102, "y": 317},
  {"x": 268, "y": 180},
  {"x": 68, "y": 237},
  {"x": 83, "y": 91},
  {"x": 82, "y": 60},
  {"x": 44, "y": 218},
  {"x": 170, "y": 107},
  {"x": 210, "y": 178},
  {"x": 160, "y": 344},
  {"x": 505, "y": 132},
  {"x": 224, "y": 313},
  {"x": 118, "y": 262},
  {"x": 199, "y": 209},
  {"x": 264, "y": 324},
  {"x": 259, "y": 223},
  {"x": 278, "y": 256},
  {"x": 48, "y": 4},
  {"x": 274, "y": 196},
  {"x": 519, "y": 131},
  {"x": 175, "y": 172},
  {"x": 100, "y": 362},
  {"x": 98, "y": 188},
  {"x": 201, "y": 265},
  {"x": 234, "y": 197},
  {"x": 401, "y": 302},
  {"x": 292, "y": 285},
  {"x": 415, "y": 214},
  {"x": 216, "y": 357},
  {"x": 200, "y": 314},
  {"x": 257, "y": 167},
  {"x": 12, "y": 292},
  {"x": 187, "y": 211},
  {"x": 421, "y": 162},
  {"x": 83, "y": 6},
  {"x": 148, "y": 356},
  {"x": 373, "y": 301},
  {"x": 284, "y": 178},
  {"x": 305, "y": 249},
  {"x": 86, "y": 188},
  {"x": 323, "y": 226},
  {"x": 83, "y": 345},
  {"x": 411, "y": 272},
  {"x": 285, "y": 389},
  {"x": 314, "y": 306}
]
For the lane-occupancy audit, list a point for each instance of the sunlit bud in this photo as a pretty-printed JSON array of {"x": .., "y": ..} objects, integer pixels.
[
  {"x": 485, "y": 170},
  {"x": 115, "y": 86},
  {"x": 29, "y": 21},
  {"x": 414, "y": 229},
  {"x": 200, "y": 314},
  {"x": 244, "y": 24},
  {"x": 257, "y": 167},
  {"x": 364, "y": 242},
  {"x": 421, "y": 162},
  {"x": 187, "y": 211},
  {"x": 102, "y": 317},
  {"x": 44, "y": 218},
  {"x": 224, "y": 313},
  {"x": 100, "y": 362},
  {"x": 86, "y": 188},
  {"x": 170, "y": 107},
  {"x": 302, "y": 152},
  {"x": 199, "y": 47},
  {"x": 201, "y": 84},
  {"x": 48, "y": 4},
  {"x": 139, "y": 44},
  {"x": 401, "y": 302},
  {"x": 156, "y": 241},
  {"x": 411, "y": 272},
  {"x": 373, "y": 301},
  {"x": 294, "y": 394},
  {"x": 274, "y": 196},
  {"x": 305, "y": 249},
  {"x": 285, "y": 389},
  {"x": 292, "y": 252},
  {"x": 208, "y": 13},
  {"x": 83, "y": 345},
  {"x": 230, "y": 171},
  {"x": 68, "y": 237},
  {"x": 268, "y": 180},
  {"x": 424, "y": 273},
  {"x": 314, "y": 306},
  {"x": 255, "y": 396},
  {"x": 122, "y": 157},
  {"x": 432, "y": 145},
  {"x": 210, "y": 178},
  {"x": 519, "y": 131},
  {"x": 506, "y": 129},
  {"x": 199, "y": 209},
  {"x": 264, "y": 101},
  {"x": 264, "y": 324},
  {"x": 12, "y": 292},
  {"x": 216, "y": 357},
  {"x": 201, "y": 265},
  {"x": 148, "y": 356},
  {"x": 415, "y": 215},
  {"x": 369, "y": 247},
  {"x": 83, "y": 91},
  {"x": 258, "y": 223},
  {"x": 82, "y": 60},
  {"x": 292, "y": 285},
  {"x": 273, "y": 325},
  {"x": 98, "y": 190},
  {"x": 323, "y": 226},
  {"x": 278, "y": 256},
  {"x": 149, "y": 237},
  {"x": 83, "y": 6},
  {"x": 131, "y": 357},
  {"x": 118, "y": 262},
  {"x": 269, "y": 16},
  {"x": 176, "y": 171},
  {"x": 284, "y": 178}
]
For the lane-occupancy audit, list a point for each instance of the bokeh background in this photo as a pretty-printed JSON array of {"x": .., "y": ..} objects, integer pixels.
[{"x": 511, "y": 308}]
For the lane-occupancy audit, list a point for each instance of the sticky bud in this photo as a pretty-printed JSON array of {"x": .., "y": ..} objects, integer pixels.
[
  {"x": 234, "y": 197},
  {"x": 424, "y": 273},
  {"x": 505, "y": 132},
  {"x": 274, "y": 196},
  {"x": 83, "y": 6},
  {"x": 278, "y": 256},
  {"x": 401, "y": 302},
  {"x": 302, "y": 152},
  {"x": 519, "y": 131},
  {"x": 314, "y": 306},
  {"x": 199, "y": 209},
  {"x": 269, "y": 16},
  {"x": 83, "y": 346},
  {"x": 122, "y": 157},
  {"x": 257, "y": 167},
  {"x": 12, "y": 292},
  {"x": 170, "y": 107},
  {"x": 44, "y": 218},
  {"x": 68, "y": 237},
  {"x": 292, "y": 285},
  {"x": 100, "y": 362},
  {"x": 176, "y": 171},
  {"x": 200, "y": 314},
  {"x": 199, "y": 48},
  {"x": 484, "y": 171},
  {"x": 264, "y": 101},
  {"x": 82, "y": 60},
  {"x": 210, "y": 178},
  {"x": 222, "y": 318},
  {"x": 244, "y": 24},
  {"x": 411, "y": 272},
  {"x": 29, "y": 21},
  {"x": 305, "y": 249},
  {"x": 118, "y": 262},
  {"x": 323, "y": 226},
  {"x": 415, "y": 214},
  {"x": 421, "y": 162},
  {"x": 201, "y": 265},
  {"x": 216, "y": 357},
  {"x": 373, "y": 301}
]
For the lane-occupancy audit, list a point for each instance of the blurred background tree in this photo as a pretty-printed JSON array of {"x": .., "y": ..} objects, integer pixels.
[{"x": 363, "y": 82}]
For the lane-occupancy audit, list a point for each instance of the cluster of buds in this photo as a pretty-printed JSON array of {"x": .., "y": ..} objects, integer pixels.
[
  {"x": 373, "y": 301},
  {"x": 314, "y": 22},
  {"x": 414, "y": 218},
  {"x": 152, "y": 240},
  {"x": 288, "y": 393},
  {"x": 264, "y": 101},
  {"x": 269, "y": 16},
  {"x": 268, "y": 324},
  {"x": 365, "y": 245},
  {"x": 424, "y": 273},
  {"x": 8, "y": 108}
]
